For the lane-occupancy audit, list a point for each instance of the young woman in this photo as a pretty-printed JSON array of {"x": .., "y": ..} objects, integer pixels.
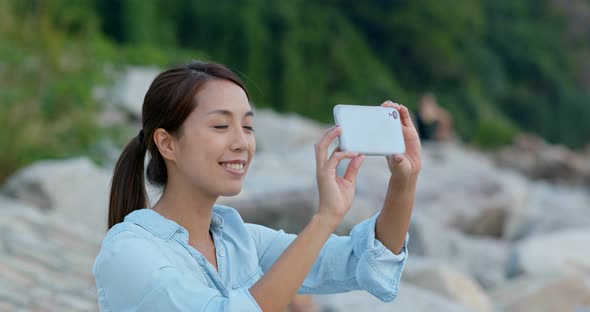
[{"x": 188, "y": 254}]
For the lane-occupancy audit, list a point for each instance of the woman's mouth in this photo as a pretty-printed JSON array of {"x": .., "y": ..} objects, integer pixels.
[{"x": 234, "y": 168}]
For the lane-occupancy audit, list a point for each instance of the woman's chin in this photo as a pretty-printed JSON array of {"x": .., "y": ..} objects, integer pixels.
[{"x": 230, "y": 191}]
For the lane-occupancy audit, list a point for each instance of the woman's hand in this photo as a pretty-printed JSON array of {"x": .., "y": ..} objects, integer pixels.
[
  {"x": 408, "y": 165},
  {"x": 336, "y": 193}
]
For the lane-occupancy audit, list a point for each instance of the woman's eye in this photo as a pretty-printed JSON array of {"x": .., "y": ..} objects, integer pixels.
[
  {"x": 249, "y": 128},
  {"x": 220, "y": 127}
]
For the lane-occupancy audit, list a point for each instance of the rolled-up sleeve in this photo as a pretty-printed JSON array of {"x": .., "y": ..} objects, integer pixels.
[
  {"x": 131, "y": 275},
  {"x": 345, "y": 263},
  {"x": 379, "y": 270}
]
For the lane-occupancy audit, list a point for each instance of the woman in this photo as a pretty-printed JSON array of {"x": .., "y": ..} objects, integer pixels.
[{"x": 188, "y": 254}]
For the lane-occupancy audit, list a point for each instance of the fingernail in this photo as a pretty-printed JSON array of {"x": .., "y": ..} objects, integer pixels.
[{"x": 398, "y": 157}]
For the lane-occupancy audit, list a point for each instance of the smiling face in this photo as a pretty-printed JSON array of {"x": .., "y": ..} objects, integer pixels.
[{"x": 216, "y": 142}]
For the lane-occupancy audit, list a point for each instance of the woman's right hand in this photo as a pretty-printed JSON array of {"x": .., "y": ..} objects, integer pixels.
[{"x": 336, "y": 193}]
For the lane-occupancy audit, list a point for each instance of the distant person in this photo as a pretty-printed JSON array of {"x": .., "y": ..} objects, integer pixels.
[
  {"x": 186, "y": 253},
  {"x": 434, "y": 122}
]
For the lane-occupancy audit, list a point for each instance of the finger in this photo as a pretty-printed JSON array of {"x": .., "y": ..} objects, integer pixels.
[
  {"x": 389, "y": 103},
  {"x": 321, "y": 148},
  {"x": 405, "y": 117},
  {"x": 398, "y": 158},
  {"x": 336, "y": 158},
  {"x": 353, "y": 168}
]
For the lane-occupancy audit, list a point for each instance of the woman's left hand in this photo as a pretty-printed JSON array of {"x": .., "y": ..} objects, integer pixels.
[{"x": 406, "y": 165}]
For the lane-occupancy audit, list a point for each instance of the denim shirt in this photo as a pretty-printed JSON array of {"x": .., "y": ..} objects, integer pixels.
[{"x": 145, "y": 263}]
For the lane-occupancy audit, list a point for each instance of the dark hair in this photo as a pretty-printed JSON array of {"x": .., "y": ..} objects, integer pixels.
[{"x": 167, "y": 104}]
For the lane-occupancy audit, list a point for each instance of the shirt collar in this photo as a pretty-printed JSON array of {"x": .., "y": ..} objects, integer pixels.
[{"x": 162, "y": 227}]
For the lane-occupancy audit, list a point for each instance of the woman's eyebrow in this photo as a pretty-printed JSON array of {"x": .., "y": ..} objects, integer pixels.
[{"x": 229, "y": 113}]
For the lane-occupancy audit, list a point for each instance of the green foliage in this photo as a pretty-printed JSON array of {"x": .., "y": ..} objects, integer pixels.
[
  {"x": 46, "y": 76},
  {"x": 498, "y": 66},
  {"x": 491, "y": 133},
  {"x": 485, "y": 60}
]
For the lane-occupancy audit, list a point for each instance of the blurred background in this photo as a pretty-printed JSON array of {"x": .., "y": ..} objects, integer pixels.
[{"x": 500, "y": 91}]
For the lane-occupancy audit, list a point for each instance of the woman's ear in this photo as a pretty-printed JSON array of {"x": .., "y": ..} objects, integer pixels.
[{"x": 166, "y": 144}]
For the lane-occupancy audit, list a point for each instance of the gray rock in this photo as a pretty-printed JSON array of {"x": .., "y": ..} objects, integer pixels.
[
  {"x": 282, "y": 134},
  {"x": 450, "y": 283},
  {"x": 46, "y": 260},
  {"x": 409, "y": 298},
  {"x": 549, "y": 208},
  {"x": 540, "y": 160},
  {"x": 483, "y": 258},
  {"x": 545, "y": 293},
  {"x": 464, "y": 190},
  {"x": 558, "y": 252},
  {"x": 74, "y": 187},
  {"x": 130, "y": 89}
]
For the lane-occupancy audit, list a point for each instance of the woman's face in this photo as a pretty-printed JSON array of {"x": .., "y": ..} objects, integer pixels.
[{"x": 217, "y": 142}]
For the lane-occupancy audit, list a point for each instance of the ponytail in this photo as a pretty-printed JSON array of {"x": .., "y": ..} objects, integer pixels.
[{"x": 128, "y": 187}]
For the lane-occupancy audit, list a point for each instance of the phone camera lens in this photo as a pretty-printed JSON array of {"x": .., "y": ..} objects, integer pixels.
[{"x": 394, "y": 114}]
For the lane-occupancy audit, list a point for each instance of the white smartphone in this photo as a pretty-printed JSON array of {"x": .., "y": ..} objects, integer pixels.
[{"x": 369, "y": 130}]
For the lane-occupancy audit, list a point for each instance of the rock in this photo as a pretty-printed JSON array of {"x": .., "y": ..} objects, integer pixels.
[
  {"x": 74, "y": 187},
  {"x": 46, "y": 260},
  {"x": 281, "y": 134},
  {"x": 450, "y": 283},
  {"x": 271, "y": 172},
  {"x": 563, "y": 251},
  {"x": 483, "y": 258},
  {"x": 464, "y": 190},
  {"x": 549, "y": 208},
  {"x": 547, "y": 293},
  {"x": 537, "y": 159},
  {"x": 409, "y": 298},
  {"x": 131, "y": 87}
]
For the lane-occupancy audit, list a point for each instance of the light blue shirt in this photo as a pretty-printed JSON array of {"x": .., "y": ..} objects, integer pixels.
[{"x": 145, "y": 263}]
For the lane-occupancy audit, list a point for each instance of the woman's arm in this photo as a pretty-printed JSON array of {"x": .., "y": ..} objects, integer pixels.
[
  {"x": 394, "y": 220},
  {"x": 281, "y": 282}
]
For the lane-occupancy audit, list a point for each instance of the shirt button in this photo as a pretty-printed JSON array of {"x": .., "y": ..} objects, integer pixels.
[{"x": 221, "y": 253}]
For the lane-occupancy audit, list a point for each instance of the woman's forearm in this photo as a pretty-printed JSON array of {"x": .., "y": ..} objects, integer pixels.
[
  {"x": 280, "y": 283},
  {"x": 394, "y": 220}
]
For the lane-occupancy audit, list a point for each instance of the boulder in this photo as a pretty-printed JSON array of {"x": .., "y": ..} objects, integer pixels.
[
  {"x": 448, "y": 282},
  {"x": 281, "y": 133},
  {"x": 409, "y": 298},
  {"x": 482, "y": 258},
  {"x": 538, "y": 159},
  {"x": 546, "y": 293},
  {"x": 465, "y": 190},
  {"x": 550, "y": 208},
  {"x": 130, "y": 89},
  {"x": 74, "y": 187},
  {"x": 46, "y": 260},
  {"x": 562, "y": 251}
]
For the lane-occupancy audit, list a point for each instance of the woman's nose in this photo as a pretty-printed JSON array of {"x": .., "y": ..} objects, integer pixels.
[{"x": 240, "y": 142}]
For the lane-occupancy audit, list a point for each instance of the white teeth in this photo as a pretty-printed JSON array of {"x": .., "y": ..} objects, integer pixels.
[{"x": 234, "y": 166}]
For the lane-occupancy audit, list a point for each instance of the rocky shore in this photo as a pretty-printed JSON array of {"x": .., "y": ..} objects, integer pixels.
[{"x": 487, "y": 233}]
